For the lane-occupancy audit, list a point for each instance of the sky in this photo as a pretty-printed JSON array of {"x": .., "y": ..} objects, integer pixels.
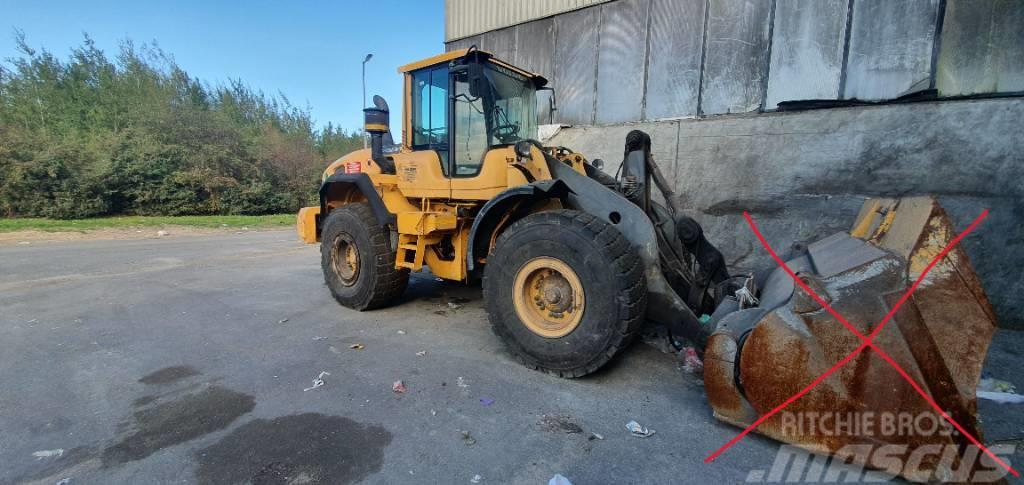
[{"x": 310, "y": 51}]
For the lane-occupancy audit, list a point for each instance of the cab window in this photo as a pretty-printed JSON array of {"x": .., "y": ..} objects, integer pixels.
[
  {"x": 430, "y": 109},
  {"x": 470, "y": 130}
]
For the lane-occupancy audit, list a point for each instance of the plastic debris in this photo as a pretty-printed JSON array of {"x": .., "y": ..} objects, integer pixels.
[
  {"x": 558, "y": 479},
  {"x": 318, "y": 382},
  {"x": 691, "y": 362},
  {"x": 1001, "y": 397},
  {"x": 467, "y": 438},
  {"x": 433, "y": 412},
  {"x": 319, "y": 338},
  {"x": 991, "y": 384},
  {"x": 421, "y": 353},
  {"x": 400, "y": 332},
  {"x": 398, "y": 387},
  {"x": 486, "y": 401},
  {"x": 595, "y": 436},
  {"x": 476, "y": 479},
  {"x": 459, "y": 381},
  {"x": 64, "y": 481},
  {"x": 453, "y": 305},
  {"x": 162, "y": 233},
  {"x": 59, "y": 452},
  {"x": 357, "y": 346},
  {"x": 637, "y": 430},
  {"x": 283, "y": 320}
]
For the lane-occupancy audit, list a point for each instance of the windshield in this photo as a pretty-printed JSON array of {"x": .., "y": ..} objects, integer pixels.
[
  {"x": 514, "y": 117},
  {"x": 507, "y": 116}
]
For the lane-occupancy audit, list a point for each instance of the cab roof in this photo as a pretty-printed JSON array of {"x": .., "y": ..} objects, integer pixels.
[{"x": 538, "y": 79}]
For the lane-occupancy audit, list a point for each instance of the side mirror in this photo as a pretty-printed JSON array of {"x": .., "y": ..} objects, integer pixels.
[
  {"x": 552, "y": 104},
  {"x": 597, "y": 163},
  {"x": 477, "y": 79}
]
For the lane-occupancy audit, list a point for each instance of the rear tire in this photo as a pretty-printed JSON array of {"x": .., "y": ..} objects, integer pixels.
[
  {"x": 357, "y": 260},
  {"x": 565, "y": 291}
]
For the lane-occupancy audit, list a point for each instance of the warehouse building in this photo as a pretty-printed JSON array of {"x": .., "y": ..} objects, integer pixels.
[{"x": 794, "y": 110}]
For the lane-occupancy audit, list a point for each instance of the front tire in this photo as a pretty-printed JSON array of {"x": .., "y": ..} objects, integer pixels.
[
  {"x": 357, "y": 261},
  {"x": 565, "y": 291}
]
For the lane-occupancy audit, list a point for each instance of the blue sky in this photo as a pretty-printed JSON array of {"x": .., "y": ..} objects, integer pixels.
[{"x": 310, "y": 51}]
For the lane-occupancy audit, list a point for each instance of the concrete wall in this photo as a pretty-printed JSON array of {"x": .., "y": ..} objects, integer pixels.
[
  {"x": 804, "y": 175},
  {"x": 633, "y": 60}
]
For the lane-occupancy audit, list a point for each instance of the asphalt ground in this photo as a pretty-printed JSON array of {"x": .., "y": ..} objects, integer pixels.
[{"x": 188, "y": 359}]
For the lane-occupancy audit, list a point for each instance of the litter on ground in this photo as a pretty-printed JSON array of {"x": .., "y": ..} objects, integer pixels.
[
  {"x": 1001, "y": 397},
  {"x": 318, "y": 382},
  {"x": 476, "y": 479},
  {"x": 59, "y": 452},
  {"x": 691, "y": 362},
  {"x": 558, "y": 479},
  {"x": 357, "y": 346},
  {"x": 486, "y": 401},
  {"x": 398, "y": 387},
  {"x": 996, "y": 385},
  {"x": 637, "y": 430}
]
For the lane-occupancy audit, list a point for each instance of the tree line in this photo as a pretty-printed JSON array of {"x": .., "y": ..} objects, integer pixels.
[{"x": 136, "y": 134}]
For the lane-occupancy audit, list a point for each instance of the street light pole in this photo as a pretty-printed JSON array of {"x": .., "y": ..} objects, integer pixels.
[{"x": 367, "y": 59}]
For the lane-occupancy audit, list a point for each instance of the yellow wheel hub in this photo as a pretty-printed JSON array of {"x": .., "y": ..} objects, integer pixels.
[
  {"x": 346, "y": 259},
  {"x": 548, "y": 297}
]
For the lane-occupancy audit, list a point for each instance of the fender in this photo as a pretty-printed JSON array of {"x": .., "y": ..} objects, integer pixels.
[
  {"x": 489, "y": 216},
  {"x": 588, "y": 195},
  {"x": 362, "y": 182}
]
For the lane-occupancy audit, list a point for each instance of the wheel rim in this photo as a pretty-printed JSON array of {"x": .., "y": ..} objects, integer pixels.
[
  {"x": 345, "y": 259},
  {"x": 548, "y": 297}
]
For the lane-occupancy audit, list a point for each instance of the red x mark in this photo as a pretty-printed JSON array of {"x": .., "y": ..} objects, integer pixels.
[{"x": 867, "y": 342}]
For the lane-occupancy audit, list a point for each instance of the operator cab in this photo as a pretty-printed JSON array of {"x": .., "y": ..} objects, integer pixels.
[{"x": 463, "y": 103}]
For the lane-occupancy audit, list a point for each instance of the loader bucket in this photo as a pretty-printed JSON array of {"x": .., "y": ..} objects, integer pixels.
[{"x": 865, "y": 412}]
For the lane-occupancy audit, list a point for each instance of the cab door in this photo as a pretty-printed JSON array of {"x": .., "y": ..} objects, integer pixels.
[
  {"x": 477, "y": 171},
  {"x": 424, "y": 171}
]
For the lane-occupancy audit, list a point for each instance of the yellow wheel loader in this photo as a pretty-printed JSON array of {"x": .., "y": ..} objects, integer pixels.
[{"x": 573, "y": 261}]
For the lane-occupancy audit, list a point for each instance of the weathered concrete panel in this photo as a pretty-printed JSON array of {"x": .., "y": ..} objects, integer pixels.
[
  {"x": 804, "y": 175},
  {"x": 501, "y": 43},
  {"x": 736, "y": 59},
  {"x": 535, "y": 47},
  {"x": 891, "y": 45},
  {"x": 576, "y": 65},
  {"x": 807, "y": 50},
  {"x": 673, "y": 66},
  {"x": 535, "y": 51},
  {"x": 463, "y": 43},
  {"x": 621, "y": 60},
  {"x": 982, "y": 47}
]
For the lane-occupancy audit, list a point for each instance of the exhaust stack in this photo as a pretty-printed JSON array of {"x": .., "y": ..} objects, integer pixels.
[{"x": 376, "y": 121}]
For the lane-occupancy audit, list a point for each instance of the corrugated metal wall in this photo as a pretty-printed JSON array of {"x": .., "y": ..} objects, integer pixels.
[
  {"x": 464, "y": 18},
  {"x": 632, "y": 60}
]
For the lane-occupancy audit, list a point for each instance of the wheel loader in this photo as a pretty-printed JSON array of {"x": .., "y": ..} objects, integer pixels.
[{"x": 573, "y": 261}]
